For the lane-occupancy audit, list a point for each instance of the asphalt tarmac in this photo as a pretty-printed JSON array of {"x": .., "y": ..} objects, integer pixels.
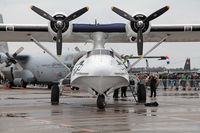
[{"x": 30, "y": 111}]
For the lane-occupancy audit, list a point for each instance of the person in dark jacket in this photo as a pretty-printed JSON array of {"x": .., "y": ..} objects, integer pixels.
[
  {"x": 116, "y": 92},
  {"x": 153, "y": 82},
  {"x": 123, "y": 91}
]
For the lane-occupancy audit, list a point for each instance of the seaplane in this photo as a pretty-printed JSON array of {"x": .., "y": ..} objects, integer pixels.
[{"x": 99, "y": 70}]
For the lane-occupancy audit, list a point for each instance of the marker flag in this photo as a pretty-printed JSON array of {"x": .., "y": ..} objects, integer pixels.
[{"x": 167, "y": 59}]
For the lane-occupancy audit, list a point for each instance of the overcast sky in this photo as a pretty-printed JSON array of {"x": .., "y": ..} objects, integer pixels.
[{"x": 181, "y": 12}]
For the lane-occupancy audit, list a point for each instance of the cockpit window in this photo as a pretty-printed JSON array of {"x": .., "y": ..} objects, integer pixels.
[{"x": 100, "y": 52}]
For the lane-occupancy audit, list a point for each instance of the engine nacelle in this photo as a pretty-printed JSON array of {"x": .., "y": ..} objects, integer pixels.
[
  {"x": 66, "y": 29},
  {"x": 131, "y": 27}
]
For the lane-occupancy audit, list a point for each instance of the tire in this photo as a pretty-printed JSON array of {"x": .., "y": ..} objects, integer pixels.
[
  {"x": 141, "y": 93},
  {"x": 55, "y": 95},
  {"x": 101, "y": 102}
]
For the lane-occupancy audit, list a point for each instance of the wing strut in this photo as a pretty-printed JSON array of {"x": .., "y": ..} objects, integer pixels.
[
  {"x": 60, "y": 82},
  {"x": 46, "y": 50},
  {"x": 154, "y": 47}
]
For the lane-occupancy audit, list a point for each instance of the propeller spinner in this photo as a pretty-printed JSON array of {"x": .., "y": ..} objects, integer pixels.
[
  {"x": 59, "y": 23},
  {"x": 140, "y": 23}
]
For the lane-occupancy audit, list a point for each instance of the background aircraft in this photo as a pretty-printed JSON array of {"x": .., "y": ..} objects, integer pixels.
[
  {"x": 37, "y": 69},
  {"x": 185, "y": 69}
]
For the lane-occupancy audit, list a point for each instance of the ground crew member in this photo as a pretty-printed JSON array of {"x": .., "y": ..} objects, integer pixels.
[
  {"x": 123, "y": 91},
  {"x": 153, "y": 83}
]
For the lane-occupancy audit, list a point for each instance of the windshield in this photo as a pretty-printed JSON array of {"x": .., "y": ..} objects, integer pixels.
[{"x": 100, "y": 52}]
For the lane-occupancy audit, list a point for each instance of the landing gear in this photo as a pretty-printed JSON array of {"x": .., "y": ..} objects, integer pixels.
[
  {"x": 141, "y": 93},
  {"x": 101, "y": 103},
  {"x": 55, "y": 95}
]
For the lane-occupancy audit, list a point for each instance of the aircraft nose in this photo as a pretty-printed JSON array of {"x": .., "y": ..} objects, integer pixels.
[
  {"x": 101, "y": 66},
  {"x": 101, "y": 73}
]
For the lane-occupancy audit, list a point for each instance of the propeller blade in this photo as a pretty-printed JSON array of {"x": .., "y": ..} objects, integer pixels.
[
  {"x": 76, "y": 14},
  {"x": 140, "y": 42},
  {"x": 156, "y": 14},
  {"x": 19, "y": 67},
  {"x": 123, "y": 14},
  {"x": 3, "y": 65},
  {"x": 42, "y": 13},
  {"x": 18, "y": 51},
  {"x": 46, "y": 50},
  {"x": 3, "y": 49},
  {"x": 59, "y": 42}
]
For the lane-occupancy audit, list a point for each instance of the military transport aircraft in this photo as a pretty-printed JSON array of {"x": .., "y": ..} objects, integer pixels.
[
  {"x": 35, "y": 68},
  {"x": 99, "y": 70}
]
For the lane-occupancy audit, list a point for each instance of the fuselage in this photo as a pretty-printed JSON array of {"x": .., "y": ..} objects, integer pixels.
[
  {"x": 99, "y": 70},
  {"x": 41, "y": 69}
]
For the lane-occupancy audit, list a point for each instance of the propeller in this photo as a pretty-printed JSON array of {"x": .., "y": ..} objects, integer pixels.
[
  {"x": 59, "y": 23},
  {"x": 140, "y": 23},
  {"x": 11, "y": 59}
]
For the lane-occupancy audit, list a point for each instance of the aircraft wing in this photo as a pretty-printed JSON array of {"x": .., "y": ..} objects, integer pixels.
[
  {"x": 116, "y": 33},
  {"x": 19, "y": 33}
]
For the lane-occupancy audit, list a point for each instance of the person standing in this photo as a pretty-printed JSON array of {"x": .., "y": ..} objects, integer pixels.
[
  {"x": 123, "y": 91},
  {"x": 164, "y": 80},
  {"x": 183, "y": 80},
  {"x": 115, "y": 94},
  {"x": 153, "y": 83}
]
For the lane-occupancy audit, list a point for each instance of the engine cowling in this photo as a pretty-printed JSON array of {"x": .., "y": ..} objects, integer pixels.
[
  {"x": 66, "y": 28},
  {"x": 132, "y": 28}
]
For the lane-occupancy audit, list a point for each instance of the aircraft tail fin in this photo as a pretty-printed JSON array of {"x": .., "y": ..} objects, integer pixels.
[
  {"x": 5, "y": 44},
  {"x": 187, "y": 66}
]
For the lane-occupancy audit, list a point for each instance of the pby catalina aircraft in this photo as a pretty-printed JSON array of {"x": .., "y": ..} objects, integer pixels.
[{"x": 99, "y": 70}]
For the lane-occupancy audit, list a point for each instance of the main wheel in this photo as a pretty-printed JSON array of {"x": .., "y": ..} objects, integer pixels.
[
  {"x": 55, "y": 95},
  {"x": 141, "y": 93},
  {"x": 101, "y": 102}
]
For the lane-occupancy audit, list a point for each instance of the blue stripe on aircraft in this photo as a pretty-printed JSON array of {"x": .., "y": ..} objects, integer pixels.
[{"x": 117, "y": 27}]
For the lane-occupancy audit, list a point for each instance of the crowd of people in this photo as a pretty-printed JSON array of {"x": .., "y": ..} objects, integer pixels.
[
  {"x": 173, "y": 81},
  {"x": 165, "y": 81}
]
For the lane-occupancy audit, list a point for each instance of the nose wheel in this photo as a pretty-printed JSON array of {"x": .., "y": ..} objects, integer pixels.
[{"x": 101, "y": 103}]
